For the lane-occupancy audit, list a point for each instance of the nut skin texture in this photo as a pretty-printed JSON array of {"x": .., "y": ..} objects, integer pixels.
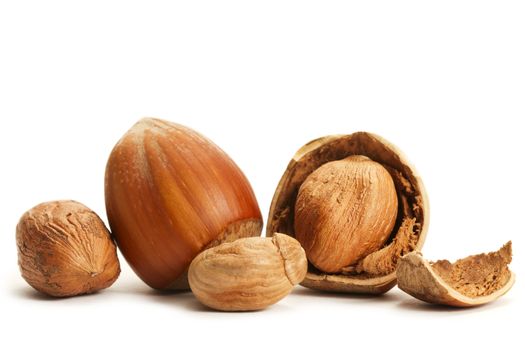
[
  {"x": 247, "y": 274},
  {"x": 170, "y": 193},
  {"x": 64, "y": 249},
  {"x": 344, "y": 211}
]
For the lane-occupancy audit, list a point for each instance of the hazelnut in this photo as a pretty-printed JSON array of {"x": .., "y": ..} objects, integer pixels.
[
  {"x": 471, "y": 281},
  {"x": 64, "y": 249},
  {"x": 170, "y": 193},
  {"x": 357, "y": 205},
  {"x": 345, "y": 210},
  {"x": 247, "y": 274}
]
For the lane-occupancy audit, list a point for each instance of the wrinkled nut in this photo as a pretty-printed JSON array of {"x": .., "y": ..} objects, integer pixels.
[
  {"x": 472, "y": 281},
  {"x": 64, "y": 249},
  {"x": 247, "y": 274},
  {"x": 345, "y": 210},
  {"x": 171, "y": 193},
  {"x": 336, "y": 197}
]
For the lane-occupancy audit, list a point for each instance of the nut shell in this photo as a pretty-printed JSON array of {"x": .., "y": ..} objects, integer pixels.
[
  {"x": 472, "y": 281},
  {"x": 247, "y": 274},
  {"x": 171, "y": 192},
  {"x": 64, "y": 249},
  {"x": 413, "y": 216}
]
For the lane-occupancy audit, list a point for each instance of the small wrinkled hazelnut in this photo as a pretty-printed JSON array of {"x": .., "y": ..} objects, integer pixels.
[{"x": 64, "y": 249}]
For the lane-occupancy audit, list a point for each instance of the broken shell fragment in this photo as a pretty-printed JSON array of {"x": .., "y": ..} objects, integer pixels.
[{"x": 472, "y": 281}]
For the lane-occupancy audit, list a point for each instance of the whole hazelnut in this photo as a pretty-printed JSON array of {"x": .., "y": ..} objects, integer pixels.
[
  {"x": 248, "y": 273},
  {"x": 171, "y": 193},
  {"x": 345, "y": 210},
  {"x": 64, "y": 249}
]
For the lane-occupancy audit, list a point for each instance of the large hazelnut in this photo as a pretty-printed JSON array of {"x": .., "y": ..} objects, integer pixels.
[
  {"x": 356, "y": 205},
  {"x": 170, "y": 193},
  {"x": 64, "y": 249}
]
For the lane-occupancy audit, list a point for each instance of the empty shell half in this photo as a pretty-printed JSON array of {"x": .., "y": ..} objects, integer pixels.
[{"x": 474, "y": 280}]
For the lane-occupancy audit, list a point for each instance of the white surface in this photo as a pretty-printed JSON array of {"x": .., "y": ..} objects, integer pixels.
[{"x": 443, "y": 81}]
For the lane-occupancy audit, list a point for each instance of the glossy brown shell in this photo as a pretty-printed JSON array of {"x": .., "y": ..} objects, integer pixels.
[
  {"x": 171, "y": 192},
  {"x": 330, "y": 148}
]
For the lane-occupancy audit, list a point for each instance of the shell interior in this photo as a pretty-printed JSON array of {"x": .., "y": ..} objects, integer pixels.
[
  {"x": 477, "y": 275},
  {"x": 471, "y": 281}
]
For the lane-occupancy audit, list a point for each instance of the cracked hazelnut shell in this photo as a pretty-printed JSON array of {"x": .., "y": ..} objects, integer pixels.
[
  {"x": 374, "y": 273},
  {"x": 471, "y": 281},
  {"x": 170, "y": 193},
  {"x": 64, "y": 249}
]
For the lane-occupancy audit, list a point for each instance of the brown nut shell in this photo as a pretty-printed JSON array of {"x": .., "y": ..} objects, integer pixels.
[
  {"x": 64, "y": 249},
  {"x": 472, "y": 281},
  {"x": 374, "y": 274},
  {"x": 247, "y": 274},
  {"x": 170, "y": 193}
]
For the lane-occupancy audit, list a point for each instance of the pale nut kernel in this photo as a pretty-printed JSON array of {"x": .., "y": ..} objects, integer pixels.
[
  {"x": 345, "y": 210},
  {"x": 247, "y": 274}
]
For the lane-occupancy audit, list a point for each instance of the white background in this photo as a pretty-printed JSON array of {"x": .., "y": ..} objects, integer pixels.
[{"x": 445, "y": 81}]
